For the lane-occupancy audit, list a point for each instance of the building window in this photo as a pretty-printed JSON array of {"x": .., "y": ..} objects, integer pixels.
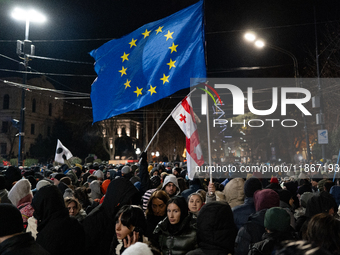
[
  {"x": 6, "y": 102},
  {"x": 34, "y": 105},
  {"x": 4, "y": 127},
  {"x": 3, "y": 148},
  {"x": 32, "y": 129},
  {"x": 50, "y": 109},
  {"x": 48, "y": 131}
]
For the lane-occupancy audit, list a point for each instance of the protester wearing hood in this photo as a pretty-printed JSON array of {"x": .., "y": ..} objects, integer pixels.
[
  {"x": 252, "y": 231},
  {"x": 3, "y": 191},
  {"x": 195, "y": 203},
  {"x": 154, "y": 171},
  {"x": 12, "y": 174},
  {"x": 177, "y": 232},
  {"x": 57, "y": 232},
  {"x": 242, "y": 212},
  {"x": 96, "y": 192},
  {"x": 99, "y": 225},
  {"x": 216, "y": 230},
  {"x": 234, "y": 192},
  {"x": 278, "y": 229},
  {"x": 170, "y": 186},
  {"x": 21, "y": 197},
  {"x": 12, "y": 239},
  {"x": 74, "y": 209},
  {"x": 99, "y": 174}
]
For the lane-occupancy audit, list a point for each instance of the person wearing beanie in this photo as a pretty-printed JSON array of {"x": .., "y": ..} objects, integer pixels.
[
  {"x": 21, "y": 197},
  {"x": 42, "y": 183},
  {"x": 57, "y": 232},
  {"x": 242, "y": 212},
  {"x": 216, "y": 230},
  {"x": 179, "y": 226},
  {"x": 278, "y": 229},
  {"x": 252, "y": 231},
  {"x": 274, "y": 184},
  {"x": 99, "y": 174},
  {"x": 96, "y": 192},
  {"x": 12, "y": 238},
  {"x": 3, "y": 191}
]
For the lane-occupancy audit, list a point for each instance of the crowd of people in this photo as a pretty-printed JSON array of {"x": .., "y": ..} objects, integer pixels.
[{"x": 149, "y": 208}]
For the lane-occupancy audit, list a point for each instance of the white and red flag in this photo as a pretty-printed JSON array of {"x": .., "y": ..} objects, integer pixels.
[{"x": 184, "y": 117}]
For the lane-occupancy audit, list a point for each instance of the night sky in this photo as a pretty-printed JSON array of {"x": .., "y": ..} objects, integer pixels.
[{"x": 74, "y": 28}]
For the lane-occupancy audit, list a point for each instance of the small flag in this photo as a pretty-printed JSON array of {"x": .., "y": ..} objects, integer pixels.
[
  {"x": 184, "y": 117},
  {"x": 151, "y": 63},
  {"x": 62, "y": 153}
]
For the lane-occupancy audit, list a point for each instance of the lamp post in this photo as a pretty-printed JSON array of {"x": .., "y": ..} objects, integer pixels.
[
  {"x": 251, "y": 37},
  {"x": 23, "y": 50}
]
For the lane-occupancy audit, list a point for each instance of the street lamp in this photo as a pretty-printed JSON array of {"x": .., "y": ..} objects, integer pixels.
[
  {"x": 259, "y": 43},
  {"x": 25, "y": 48}
]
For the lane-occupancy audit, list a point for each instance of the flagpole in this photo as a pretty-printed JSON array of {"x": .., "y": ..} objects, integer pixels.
[
  {"x": 206, "y": 94},
  {"x": 208, "y": 135},
  {"x": 164, "y": 123}
]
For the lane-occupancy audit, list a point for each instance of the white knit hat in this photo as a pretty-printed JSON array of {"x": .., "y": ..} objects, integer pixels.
[
  {"x": 20, "y": 190},
  {"x": 99, "y": 174}
]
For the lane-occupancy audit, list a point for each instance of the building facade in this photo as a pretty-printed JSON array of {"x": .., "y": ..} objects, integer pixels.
[{"x": 41, "y": 111}]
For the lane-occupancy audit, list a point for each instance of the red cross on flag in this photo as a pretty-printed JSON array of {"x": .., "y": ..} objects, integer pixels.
[{"x": 184, "y": 117}]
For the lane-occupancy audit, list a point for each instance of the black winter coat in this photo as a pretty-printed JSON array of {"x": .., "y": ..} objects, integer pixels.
[
  {"x": 58, "y": 233},
  {"x": 21, "y": 244},
  {"x": 179, "y": 242},
  {"x": 100, "y": 224}
]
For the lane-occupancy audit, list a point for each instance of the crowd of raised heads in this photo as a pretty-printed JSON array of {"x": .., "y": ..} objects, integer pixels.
[{"x": 148, "y": 208}]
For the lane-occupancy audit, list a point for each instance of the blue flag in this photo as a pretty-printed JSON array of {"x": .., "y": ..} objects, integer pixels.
[{"x": 151, "y": 63}]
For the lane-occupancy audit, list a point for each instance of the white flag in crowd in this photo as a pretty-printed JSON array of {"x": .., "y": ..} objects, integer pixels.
[
  {"x": 62, "y": 153},
  {"x": 184, "y": 117}
]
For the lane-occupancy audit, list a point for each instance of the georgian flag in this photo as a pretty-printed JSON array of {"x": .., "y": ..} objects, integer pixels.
[
  {"x": 184, "y": 117},
  {"x": 62, "y": 153}
]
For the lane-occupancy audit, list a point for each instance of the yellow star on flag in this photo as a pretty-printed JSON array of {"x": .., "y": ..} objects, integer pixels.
[
  {"x": 152, "y": 89},
  {"x": 123, "y": 71},
  {"x": 173, "y": 48},
  {"x": 125, "y": 57},
  {"x": 171, "y": 64},
  {"x": 165, "y": 78},
  {"x": 169, "y": 35},
  {"x": 159, "y": 30},
  {"x": 146, "y": 33},
  {"x": 127, "y": 83},
  {"x": 138, "y": 91},
  {"x": 133, "y": 43}
]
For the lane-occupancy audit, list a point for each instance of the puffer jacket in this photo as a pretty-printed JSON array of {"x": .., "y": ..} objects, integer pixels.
[{"x": 180, "y": 242}]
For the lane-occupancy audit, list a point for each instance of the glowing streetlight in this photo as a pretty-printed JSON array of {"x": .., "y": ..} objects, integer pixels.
[
  {"x": 27, "y": 49},
  {"x": 250, "y": 36},
  {"x": 28, "y": 16},
  {"x": 259, "y": 43}
]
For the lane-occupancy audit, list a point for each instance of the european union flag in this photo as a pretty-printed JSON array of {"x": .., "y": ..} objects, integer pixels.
[{"x": 151, "y": 63}]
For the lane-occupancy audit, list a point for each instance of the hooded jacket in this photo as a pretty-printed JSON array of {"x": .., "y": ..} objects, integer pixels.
[
  {"x": 216, "y": 230},
  {"x": 173, "y": 179},
  {"x": 57, "y": 232},
  {"x": 99, "y": 225},
  {"x": 234, "y": 192}
]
